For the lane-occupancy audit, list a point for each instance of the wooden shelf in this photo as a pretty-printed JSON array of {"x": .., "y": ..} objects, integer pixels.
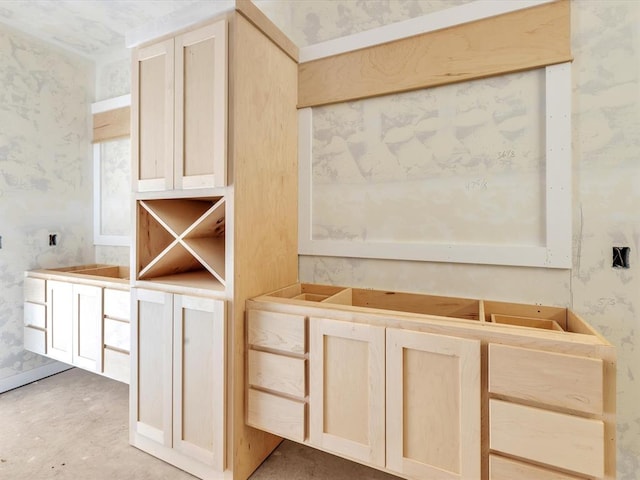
[{"x": 177, "y": 237}]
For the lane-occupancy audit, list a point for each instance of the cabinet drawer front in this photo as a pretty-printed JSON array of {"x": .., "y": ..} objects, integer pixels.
[
  {"x": 277, "y": 372},
  {"x": 117, "y": 304},
  {"x": 35, "y": 340},
  {"x": 556, "y": 379},
  {"x": 117, "y": 334},
  {"x": 35, "y": 315},
  {"x": 501, "y": 468},
  {"x": 34, "y": 290},
  {"x": 556, "y": 439},
  {"x": 279, "y": 331},
  {"x": 275, "y": 414},
  {"x": 116, "y": 365}
]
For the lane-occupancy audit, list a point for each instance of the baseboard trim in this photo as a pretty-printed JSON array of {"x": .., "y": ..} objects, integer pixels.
[{"x": 31, "y": 376}]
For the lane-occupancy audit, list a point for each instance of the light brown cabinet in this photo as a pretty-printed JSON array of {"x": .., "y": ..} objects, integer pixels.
[
  {"x": 178, "y": 389},
  {"x": 80, "y": 316},
  {"x": 460, "y": 395},
  {"x": 179, "y": 111}
]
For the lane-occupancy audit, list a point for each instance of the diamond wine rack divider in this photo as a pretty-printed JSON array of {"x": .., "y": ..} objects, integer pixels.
[{"x": 183, "y": 241}]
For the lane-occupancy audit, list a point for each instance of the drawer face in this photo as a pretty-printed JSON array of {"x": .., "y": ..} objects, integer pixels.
[
  {"x": 35, "y": 315},
  {"x": 34, "y": 290},
  {"x": 117, "y": 304},
  {"x": 277, "y": 372},
  {"x": 279, "y": 331},
  {"x": 116, "y": 365},
  {"x": 556, "y": 379},
  {"x": 117, "y": 334},
  {"x": 501, "y": 468},
  {"x": 275, "y": 414},
  {"x": 555, "y": 439},
  {"x": 35, "y": 340}
]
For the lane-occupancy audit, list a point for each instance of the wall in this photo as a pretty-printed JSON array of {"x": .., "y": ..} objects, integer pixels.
[
  {"x": 113, "y": 79},
  {"x": 606, "y": 147},
  {"x": 45, "y": 177}
]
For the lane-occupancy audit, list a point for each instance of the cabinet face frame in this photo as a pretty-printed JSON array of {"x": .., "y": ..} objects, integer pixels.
[
  {"x": 163, "y": 435},
  {"x": 467, "y": 353},
  {"x": 373, "y": 450},
  {"x": 215, "y": 456}
]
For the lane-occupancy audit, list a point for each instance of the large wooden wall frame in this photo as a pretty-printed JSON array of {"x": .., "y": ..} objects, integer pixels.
[
  {"x": 491, "y": 46},
  {"x": 445, "y": 53}
]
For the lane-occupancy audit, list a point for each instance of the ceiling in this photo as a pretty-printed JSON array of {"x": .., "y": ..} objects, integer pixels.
[{"x": 94, "y": 29}]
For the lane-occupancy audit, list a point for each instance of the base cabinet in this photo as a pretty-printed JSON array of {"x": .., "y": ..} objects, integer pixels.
[{"x": 177, "y": 383}]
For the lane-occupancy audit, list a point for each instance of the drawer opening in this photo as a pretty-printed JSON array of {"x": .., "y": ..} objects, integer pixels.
[
  {"x": 541, "y": 323},
  {"x": 522, "y": 315}
]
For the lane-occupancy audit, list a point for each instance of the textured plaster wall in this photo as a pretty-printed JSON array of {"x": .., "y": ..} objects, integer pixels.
[
  {"x": 606, "y": 152},
  {"x": 45, "y": 175},
  {"x": 113, "y": 79}
]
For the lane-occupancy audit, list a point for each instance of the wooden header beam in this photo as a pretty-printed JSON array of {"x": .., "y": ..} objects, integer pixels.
[
  {"x": 111, "y": 124},
  {"x": 521, "y": 40}
]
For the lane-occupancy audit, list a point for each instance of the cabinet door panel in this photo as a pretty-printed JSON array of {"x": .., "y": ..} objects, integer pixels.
[
  {"x": 346, "y": 391},
  {"x": 201, "y": 107},
  {"x": 59, "y": 321},
  {"x": 87, "y": 327},
  {"x": 152, "y": 117},
  {"x": 151, "y": 352},
  {"x": 199, "y": 366},
  {"x": 433, "y": 405}
]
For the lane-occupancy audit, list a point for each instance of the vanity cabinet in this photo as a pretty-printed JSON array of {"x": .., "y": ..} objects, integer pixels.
[
  {"x": 429, "y": 387},
  {"x": 80, "y": 316},
  {"x": 178, "y": 388},
  {"x": 179, "y": 111}
]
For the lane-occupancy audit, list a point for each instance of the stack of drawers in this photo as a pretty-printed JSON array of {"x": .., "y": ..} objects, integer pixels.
[
  {"x": 277, "y": 372},
  {"x": 545, "y": 414},
  {"x": 35, "y": 315},
  {"x": 117, "y": 337}
]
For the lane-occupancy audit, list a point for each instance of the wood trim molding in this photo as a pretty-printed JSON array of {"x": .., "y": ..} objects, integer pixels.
[
  {"x": 520, "y": 40},
  {"x": 111, "y": 124}
]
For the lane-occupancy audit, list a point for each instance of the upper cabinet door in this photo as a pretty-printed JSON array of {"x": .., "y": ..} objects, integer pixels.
[
  {"x": 201, "y": 107},
  {"x": 433, "y": 405},
  {"x": 153, "y": 117},
  {"x": 346, "y": 390}
]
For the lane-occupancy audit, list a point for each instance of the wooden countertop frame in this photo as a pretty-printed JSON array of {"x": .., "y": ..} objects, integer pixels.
[
  {"x": 475, "y": 40},
  {"x": 524, "y": 39}
]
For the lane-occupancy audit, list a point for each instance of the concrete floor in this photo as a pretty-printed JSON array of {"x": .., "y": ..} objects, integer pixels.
[{"x": 74, "y": 426}]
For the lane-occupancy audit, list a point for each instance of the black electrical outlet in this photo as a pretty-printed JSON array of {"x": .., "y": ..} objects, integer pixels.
[
  {"x": 621, "y": 257},
  {"x": 53, "y": 239}
]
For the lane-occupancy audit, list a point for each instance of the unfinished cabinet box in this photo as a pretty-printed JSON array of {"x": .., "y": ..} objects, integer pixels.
[
  {"x": 79, "y": 315},
  {"x": 178, "y": 390},
  {"x": 179, "y": 110},
  {"x": 464, "y": 396},
  {"x": 213, "y": 224}
]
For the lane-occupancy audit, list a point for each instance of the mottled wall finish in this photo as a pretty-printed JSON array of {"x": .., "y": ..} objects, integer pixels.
[
  {"x": 113, "y": 79},
  {"x": 606, "y": 122},
  {"x": 45, "y": 175}
]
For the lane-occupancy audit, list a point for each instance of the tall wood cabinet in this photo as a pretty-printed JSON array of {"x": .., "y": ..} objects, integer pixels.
[{"x": 215, "y": 167}]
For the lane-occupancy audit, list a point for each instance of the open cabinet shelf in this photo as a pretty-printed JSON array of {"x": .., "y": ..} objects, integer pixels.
[{"x": 182, "y": 242}]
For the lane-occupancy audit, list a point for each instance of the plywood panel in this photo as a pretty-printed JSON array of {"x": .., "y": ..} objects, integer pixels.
[
  {"x": 506, "y": 43},
  {"x": 556, "y": 439},
  {"x": 111, "y": 124},
  {"x": 565, "y": 381}
]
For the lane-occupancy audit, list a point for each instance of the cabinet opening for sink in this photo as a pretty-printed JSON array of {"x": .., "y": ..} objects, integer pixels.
[
  {"x": 308, "y": 292},
  {"x": 530, "y": 316}
]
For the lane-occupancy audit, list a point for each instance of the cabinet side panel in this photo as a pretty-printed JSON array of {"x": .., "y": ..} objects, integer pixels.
[{"x": 263, "y": 153}]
